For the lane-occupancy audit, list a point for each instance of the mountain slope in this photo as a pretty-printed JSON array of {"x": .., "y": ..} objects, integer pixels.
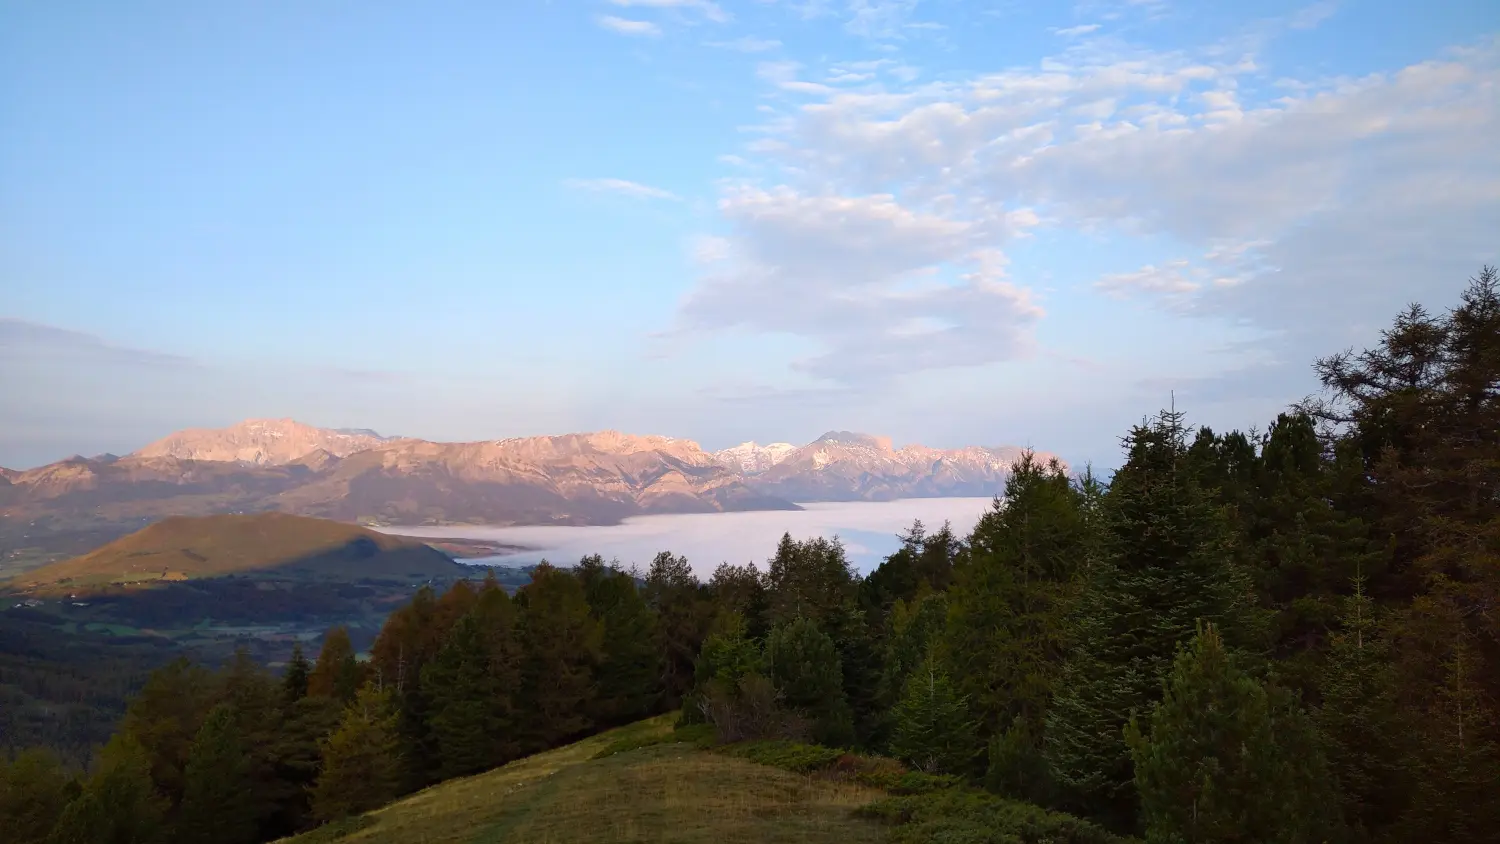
[
  {"x": 669, "y": 792},
  {"x": 185, "y": 548},
  {"x": 846, "y": 466},
  {"x": 263, "y": 442}
]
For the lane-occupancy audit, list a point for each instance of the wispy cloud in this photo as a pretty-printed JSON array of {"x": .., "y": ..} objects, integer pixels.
[
  {"x": 625, "y": 26},
  {"x": 708, "y": 9},
  {"x": 1081, "y": 29},
  {"x": 1309, "y": 17},
  {"x": 623, "y": 187},
  {"x": 747, "y": 44}
]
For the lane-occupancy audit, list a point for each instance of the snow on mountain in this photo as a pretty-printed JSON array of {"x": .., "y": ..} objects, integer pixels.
[{"x": 751, "y": 458}]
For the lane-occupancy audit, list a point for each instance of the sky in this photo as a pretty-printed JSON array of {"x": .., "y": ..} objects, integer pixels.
[{"x": 985, "y": 222}]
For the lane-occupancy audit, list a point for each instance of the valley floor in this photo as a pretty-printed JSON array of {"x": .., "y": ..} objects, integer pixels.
[{"x": 658, "y": 793}]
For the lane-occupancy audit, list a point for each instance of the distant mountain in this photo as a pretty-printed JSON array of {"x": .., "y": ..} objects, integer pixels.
[
  {"x": 263, "y": 442},
  {"x": 580, "y": 479},
  {"x": 846, "y": 466},
  {"x": 751, "y": 458},
  {"x": 184, "y": 548}
]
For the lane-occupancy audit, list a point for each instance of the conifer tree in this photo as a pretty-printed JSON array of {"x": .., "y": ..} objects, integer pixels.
[
  {"x": 294, "y": 682},
  {"x": 34, "y": 790},
  {"x": 933, "y": 730},
  {"x": 118, "y": 804},
  {"x": 808, "y": 579},
  {"x": 683, "y": 615},
  {"x": 1361, "y": 720},
  {"x": 336, "y": 674},
  {"x": 219, "y": 803},
  {"x": 163, "y": 720},
  {"x": 628, "y": 671},
  {"x": 461, "y": 695},
  {"x": 562, "y": 645},
  {"x": 806, "y": 673},
  {"x": 740, "y": 591},
  {"x": 1166, "y": 565},
  {"x": 496, "y": 614},
  {"x": 361, "y": 767},
  {"x": 1013, "y": 589},
  {"x": 1212, "y": 766}
]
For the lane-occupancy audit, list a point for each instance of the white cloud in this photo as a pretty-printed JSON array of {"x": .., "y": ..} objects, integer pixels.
[
  {"x": 748, "y": 44},
  {"x": 628, "y": 27},
  {"x": 621, "y": 186},
  {"x": 1346, "y": 196},
  {"x": 709, "y": 10},
  {"x": 1309, "y": 17},
  {"x": 855, "y": 274},
  {"x": 1081, "y": 29}
]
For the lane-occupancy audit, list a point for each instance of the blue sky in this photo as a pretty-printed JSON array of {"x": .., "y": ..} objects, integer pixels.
[{"x": 949, "y": 222}]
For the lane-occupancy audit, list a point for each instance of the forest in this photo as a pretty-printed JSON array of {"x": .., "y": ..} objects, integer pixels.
[{"x": 1285, "y": 635}]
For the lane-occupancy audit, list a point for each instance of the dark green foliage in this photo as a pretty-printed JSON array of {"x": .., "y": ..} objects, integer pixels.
[
  {"x": 1220, "y": 763},
  {"x": 1361, "y": 720},
  {"x": 34, "y": 789},
  {"x": 923, "y": 559},
  {"x": 361, "y": 766},
  {"x": 336, "y": 673},
  {"x": 629, "y": 668},
  {"x": 294, "y": 681},
  {"x": 561, "y": 645},
  {"x": 461, "y": 694},
  {"x": 219, "y": 801},
  {"x": 1167, "y": 565},
  {"x": 1013, "y": 589},
  {"x": 933, "y": 731},
  {"x": 118, "y": 804},
  {"x": 739, "y": 591},
  {"x": 683, "y": 615},
  {"x": 164, "y": 719},
  {"x": 787, "y": 755},
  {"x": 804, "y": 668},
  {"x": 810, "y": 579},
  {"x": 968, "y": 816}
]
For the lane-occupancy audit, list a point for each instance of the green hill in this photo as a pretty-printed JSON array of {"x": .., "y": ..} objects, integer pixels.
[
  {"x": 182, "y": 548},
  {"x": 660, "y": 793}
]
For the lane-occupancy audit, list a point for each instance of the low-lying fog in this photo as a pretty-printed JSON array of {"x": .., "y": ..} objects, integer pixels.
[{"x": 868, "y": 529}]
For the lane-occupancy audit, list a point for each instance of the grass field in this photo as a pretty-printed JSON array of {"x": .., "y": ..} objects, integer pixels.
[{"x": 659, "y": 793}]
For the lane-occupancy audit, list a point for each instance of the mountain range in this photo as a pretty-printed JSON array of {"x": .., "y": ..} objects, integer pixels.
[{"x": 589, "y": 478}]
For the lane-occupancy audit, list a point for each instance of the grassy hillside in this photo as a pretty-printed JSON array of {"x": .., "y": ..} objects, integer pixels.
[
  {"x": 192, "y": 548},
  {"x": 661, "y": 793}
]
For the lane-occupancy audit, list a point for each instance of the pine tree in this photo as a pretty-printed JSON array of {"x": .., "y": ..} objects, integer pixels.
[
  {"x": 1213, "y": 767},
  {"x": 629, "y": 671},
  {"x": 562, "y": 645},
  {"x": 33, "y": 793},
  {"x": 294, "y": 682},
  {"x": 1361, "y": 719},
  {"x": 808, "y": 579},
  {"x": 1166, "y": 565},
  {"x": 1013, "y": 589},
  {"x": 805, "y": 671},
  {"x": 361, "y": 766},
  {"x": 740, "y": 591},
  {"x": 296, "y": 756},
  {"x": 933, "y": 729},
  {"x": 496, "y": 614},
  {"x": 255, "y": 703},
  {"x": 119, "y": 804},
  {"x": 164, "y": 719},
  {"x": 218, "y": 803},
  {"x": 683, "y": 615},
  {"x": 461, "y": 693},
  {"x": 336, "y": 673}
]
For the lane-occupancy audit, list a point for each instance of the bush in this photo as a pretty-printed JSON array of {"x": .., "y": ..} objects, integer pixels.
[
  {"x": 786, "y": 755},
  {"x": 927, "y": 807},
  {"x": 968, "y": 816}
]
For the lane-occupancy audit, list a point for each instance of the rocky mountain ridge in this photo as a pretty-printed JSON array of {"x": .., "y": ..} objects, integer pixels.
[{"x": 588, "y": 478}]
